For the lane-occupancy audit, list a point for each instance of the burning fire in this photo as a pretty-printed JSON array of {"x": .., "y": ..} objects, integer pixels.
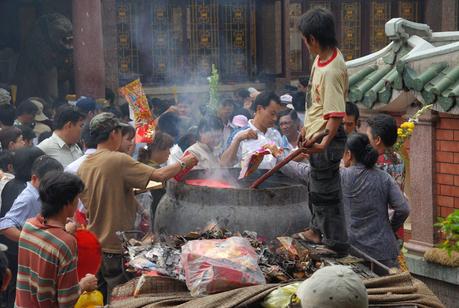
[{"x": 209, "y": 183}]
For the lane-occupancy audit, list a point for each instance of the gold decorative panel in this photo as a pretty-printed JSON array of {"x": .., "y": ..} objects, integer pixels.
[
  {"x": 166, "y": 41},
  {"x": 295, "y": 57},
  {"x": 175, "y": 41},
  {"x": 320, "y": 3},
  {"x": 234, "y": 38},
  {"x": 128, "y": 55},
  {"x": 351, "y": 27},
  {"x": 408, "y": 9},
  {"x": 379, "y": 15},
  {"x": 204, "y": 36}
]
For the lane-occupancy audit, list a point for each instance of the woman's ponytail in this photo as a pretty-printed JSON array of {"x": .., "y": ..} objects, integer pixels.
[
  {"x": 371, "y": 156},
  {"x": 361, "y": 149}
]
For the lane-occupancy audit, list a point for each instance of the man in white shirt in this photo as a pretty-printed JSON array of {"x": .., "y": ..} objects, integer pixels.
[
  {"x": 89, "y": 146},
  {"x": 62, "y": 145},
  {"x": 258, "y": 133}
]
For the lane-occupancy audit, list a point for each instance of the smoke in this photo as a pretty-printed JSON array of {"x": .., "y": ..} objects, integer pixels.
[{"x": 172, "y": 48}]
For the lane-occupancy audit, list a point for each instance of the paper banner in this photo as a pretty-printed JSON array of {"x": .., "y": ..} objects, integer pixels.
[{"x": 138, "y": 103}]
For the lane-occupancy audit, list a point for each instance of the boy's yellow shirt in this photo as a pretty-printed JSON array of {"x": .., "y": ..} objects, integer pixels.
[{"x": 329, "y": 86}]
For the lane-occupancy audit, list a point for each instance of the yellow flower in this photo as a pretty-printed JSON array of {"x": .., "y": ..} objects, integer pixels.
[
  {"x": 399, "y": 131},
  {"x": 410, "y": 125},
  {"x": 405, "y": 125}
]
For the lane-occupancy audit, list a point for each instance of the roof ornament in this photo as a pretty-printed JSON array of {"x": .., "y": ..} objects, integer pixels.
[
  {"x": 399, "y": 31},
  {"x": 402, "y": 29}
]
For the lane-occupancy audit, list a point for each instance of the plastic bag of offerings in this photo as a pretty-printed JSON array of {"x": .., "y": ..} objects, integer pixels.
[{"x": 213, "y": 266}]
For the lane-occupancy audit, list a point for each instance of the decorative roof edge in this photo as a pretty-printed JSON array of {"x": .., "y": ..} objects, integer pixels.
[
  {"x": 401, "y": 29},
  {"x": 417, "y": 64},
  {"x": 434, "y": 51},
  {"x": 372, "y": 57}
]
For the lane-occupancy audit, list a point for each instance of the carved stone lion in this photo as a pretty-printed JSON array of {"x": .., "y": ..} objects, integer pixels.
[{"x": 45, "y": 64}]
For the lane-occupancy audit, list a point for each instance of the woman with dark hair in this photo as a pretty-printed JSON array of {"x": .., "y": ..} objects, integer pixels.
[
  {"x": 210, "y": 135},
  {"x": 153, "y": 154},
  {"x": 368, "y": 192},
  {"x": 127, "y": 143},
  {"x": 157, "y": 152}
]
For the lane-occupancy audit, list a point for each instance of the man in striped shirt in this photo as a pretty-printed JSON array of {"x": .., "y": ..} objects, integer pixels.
[{"x": 47, "y": 263}]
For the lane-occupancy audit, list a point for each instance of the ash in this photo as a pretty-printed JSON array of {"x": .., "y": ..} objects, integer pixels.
[{"x": 281, "y": 260}]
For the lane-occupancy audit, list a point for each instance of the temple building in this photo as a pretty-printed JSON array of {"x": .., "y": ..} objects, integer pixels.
[
  {"x": 172, "y": 44},
  {"x": 401, "y": 55}
]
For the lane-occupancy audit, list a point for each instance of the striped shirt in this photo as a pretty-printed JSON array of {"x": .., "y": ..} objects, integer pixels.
[{"x": 47, "y": 266}]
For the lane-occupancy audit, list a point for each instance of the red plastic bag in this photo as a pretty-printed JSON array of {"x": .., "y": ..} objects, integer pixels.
[
  {"x": 89, "y": 253},
  {"x": 213, "y": 266}
]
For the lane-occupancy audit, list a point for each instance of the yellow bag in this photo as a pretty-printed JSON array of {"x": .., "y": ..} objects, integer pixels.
[
  {"x": 90, "y": 300},
  {"x": 282, "y": 297}
]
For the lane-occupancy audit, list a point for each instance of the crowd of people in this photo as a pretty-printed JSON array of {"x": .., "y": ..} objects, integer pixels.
[{"x": 80, "y": 157}]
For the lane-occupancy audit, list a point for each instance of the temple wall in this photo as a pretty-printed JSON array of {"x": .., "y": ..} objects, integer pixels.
[{"x": 447, "y": 165}]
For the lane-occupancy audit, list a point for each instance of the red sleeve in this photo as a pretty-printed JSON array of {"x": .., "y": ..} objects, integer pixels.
[{"x": 334, "y": 115}]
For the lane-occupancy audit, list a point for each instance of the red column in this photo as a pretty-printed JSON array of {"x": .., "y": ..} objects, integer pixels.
[
  {"x": 422, "y": 178},
  {"x": 88, "y": 48}
]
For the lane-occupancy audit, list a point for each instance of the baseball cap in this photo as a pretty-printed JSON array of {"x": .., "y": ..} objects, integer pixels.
[
  {"x": 240, "y": 120},
  {"x": 105, "y": 122},
  {"x": 39, "y": 116},
  {"x": 286, "y": 99},
  {"x": 331, "y": 287},
  {"x": 253, "y": 92},
  {"x": 86, "y": 104}
]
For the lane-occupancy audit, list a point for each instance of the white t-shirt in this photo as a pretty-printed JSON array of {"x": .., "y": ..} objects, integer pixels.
[{"x": 247, "y": 147}]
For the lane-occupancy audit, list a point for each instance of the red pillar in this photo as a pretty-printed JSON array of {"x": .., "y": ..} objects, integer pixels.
[
  {"x": 88, "y": 48},
  {"x": 422, "y": 178}
]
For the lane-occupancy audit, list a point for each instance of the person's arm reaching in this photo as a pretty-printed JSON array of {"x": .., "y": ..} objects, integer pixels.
[
  {"x": 165, "y": 173},
  {"x": 229, "y": 156},
  {"x": 399, "y": 204},
  {"x": 297, "y": 170}
]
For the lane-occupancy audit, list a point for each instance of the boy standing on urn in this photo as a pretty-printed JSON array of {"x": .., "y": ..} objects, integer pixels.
[{"x": 328, "y": 88}]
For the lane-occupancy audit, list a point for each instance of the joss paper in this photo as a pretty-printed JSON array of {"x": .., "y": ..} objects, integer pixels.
[{"x": 138, "y": 103}]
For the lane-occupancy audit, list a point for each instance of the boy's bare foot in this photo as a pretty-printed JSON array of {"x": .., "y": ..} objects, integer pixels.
[{"x": 309, "y": 235}]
